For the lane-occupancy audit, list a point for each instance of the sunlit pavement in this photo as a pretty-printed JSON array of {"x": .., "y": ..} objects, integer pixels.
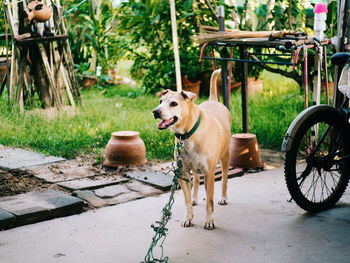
[{"x": 258, "y": 225}]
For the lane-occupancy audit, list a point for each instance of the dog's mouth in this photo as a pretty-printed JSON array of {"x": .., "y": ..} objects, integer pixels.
[{"x": 165, "y": 124}]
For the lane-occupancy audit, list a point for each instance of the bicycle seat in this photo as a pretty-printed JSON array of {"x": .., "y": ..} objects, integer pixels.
[{"x": 340, "y": 58}]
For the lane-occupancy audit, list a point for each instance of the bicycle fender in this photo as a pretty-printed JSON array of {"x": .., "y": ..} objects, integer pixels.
[{"x": 297, "y": 122}]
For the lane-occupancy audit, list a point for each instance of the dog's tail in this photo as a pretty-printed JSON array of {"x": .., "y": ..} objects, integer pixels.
[{"x": 214, "y": 84}]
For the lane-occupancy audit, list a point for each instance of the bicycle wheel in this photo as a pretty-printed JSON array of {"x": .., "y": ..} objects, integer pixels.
[{"x": 315, "y": 173}]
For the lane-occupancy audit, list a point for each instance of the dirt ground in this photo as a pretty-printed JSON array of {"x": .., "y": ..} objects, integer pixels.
[{"x": 17, "y": 181}]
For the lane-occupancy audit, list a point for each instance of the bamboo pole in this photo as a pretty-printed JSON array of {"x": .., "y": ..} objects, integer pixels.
[
  {"x": 175, "y": 45},
  {"x": 50, "y": 76}
]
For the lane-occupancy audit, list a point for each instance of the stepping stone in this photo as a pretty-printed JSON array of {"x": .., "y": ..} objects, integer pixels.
[
  {"x": 90, "y": 183},
  {"x": 15, "y": 158},
  {"x": 111, "y": 191},
  {"x": 142, "y": 188},
  {"x": 232, "y": 172},
  {"x": 65, "y": 171},
  {"x": 34, "y": 207},
  {"x": 124, "y": 198},
  {"x": 7, "y": 220},
  {"x": 156, "y": 179},
  {"x": 90, "y": 197}
]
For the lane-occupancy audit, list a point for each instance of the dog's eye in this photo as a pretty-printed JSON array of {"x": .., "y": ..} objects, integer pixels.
[
  {"x": 160, "y": 102},
  {"x": 173, "y": 104}
]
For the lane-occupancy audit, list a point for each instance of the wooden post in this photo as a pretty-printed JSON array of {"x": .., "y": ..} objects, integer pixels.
[
  {"x": 245, "y": 105},
  {"x": 223, "y": 54},
  {"x": 175, "y": 45}
]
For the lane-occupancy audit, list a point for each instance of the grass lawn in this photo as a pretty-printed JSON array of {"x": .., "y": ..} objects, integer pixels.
[{"x": 126, "y": 108}]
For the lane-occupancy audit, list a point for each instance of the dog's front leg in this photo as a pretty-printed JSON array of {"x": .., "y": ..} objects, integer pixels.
[
  {"x": 209, "y": 185},
  {"x": 186, "y": 188},
  {"x": 195, "y": 189}
]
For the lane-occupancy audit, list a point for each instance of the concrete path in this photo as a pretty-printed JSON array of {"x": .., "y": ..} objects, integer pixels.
[
  {"x": 16, "y": 158},
  {"x": 258, "y": 225}
]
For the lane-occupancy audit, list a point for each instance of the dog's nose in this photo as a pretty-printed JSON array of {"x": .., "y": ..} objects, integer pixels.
[{"x": 156, "y": 113}]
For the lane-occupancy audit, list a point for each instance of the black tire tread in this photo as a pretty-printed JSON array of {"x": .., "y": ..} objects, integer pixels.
[{"x": 292, "y": 184}]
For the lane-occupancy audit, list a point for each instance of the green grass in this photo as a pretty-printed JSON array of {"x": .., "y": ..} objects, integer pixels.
[
  {"x": 90, "y": 129},
  {"x": 126, "y": 108}
]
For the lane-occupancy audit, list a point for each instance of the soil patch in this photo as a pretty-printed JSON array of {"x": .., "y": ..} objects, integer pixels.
[{"x": 18, "y": 182}]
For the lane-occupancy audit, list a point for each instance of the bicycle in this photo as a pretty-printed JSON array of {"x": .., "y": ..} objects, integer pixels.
[{"x": 317, "y": 148}]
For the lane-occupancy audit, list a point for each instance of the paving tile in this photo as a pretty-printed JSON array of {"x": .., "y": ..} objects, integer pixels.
[
  {"x": 15, "y": 158},
  {"x": 111, "y": 191},
  {"x": 7, "y": 220},
  {"x": 156, "y": 179},
  {"x": 91, "y": 183},
  {"x": 124, "y": 198},
  {"x": 90, "y": 197},
  {"x": 38, "y": 206},
  {"x": 232, "y": 172},
  {"x": 65, "y": 171},
  {"x": 142, "y": 188}
]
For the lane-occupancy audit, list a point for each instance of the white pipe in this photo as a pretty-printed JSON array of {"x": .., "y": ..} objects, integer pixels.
[{"x": 175, "y": 45}]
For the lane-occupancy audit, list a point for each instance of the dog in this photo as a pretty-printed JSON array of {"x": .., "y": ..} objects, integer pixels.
[{"x": 205, "y": 130}]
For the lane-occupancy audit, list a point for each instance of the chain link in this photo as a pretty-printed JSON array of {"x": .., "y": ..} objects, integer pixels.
[{"x": 159, "y": 226}]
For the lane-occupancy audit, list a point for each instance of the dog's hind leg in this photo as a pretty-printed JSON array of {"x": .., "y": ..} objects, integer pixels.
[
  {"x": 195, "y": 189},
  {"x": 225, "y": 162},
  {"x": 186, "y": 188}
]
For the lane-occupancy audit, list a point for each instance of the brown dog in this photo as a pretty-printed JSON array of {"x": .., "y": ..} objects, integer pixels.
[{"x": 205, "y": 131}]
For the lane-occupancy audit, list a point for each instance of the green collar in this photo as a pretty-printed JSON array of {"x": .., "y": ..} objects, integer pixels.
[{"x": 191, "y": 132}]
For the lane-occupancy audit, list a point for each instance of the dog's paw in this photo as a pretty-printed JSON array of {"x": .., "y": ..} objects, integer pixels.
[
  {"x": 186, "y": 223},
  {"x": 209, "y": 225},
  {"x": 223, "y": 201},
  {"x": 194, "y": 202}
]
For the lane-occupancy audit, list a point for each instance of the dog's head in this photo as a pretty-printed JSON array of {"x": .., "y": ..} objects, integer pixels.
[{"x": 173, "y": 108}]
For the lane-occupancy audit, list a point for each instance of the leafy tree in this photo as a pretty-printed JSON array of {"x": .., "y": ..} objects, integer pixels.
[{"x": 147, "y": 24}]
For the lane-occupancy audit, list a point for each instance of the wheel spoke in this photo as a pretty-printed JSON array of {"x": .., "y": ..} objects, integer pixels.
[{"x": 315, "y": 172}]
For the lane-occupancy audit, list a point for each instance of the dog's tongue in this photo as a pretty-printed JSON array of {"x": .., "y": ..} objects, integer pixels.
[{"x": 163, "y": 124}]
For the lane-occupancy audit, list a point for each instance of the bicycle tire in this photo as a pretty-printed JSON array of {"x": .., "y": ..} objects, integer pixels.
[{"x": 294, "y": 184}]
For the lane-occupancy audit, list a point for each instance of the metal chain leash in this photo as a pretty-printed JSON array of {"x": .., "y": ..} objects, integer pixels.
[{"x": 159, "y": 226}]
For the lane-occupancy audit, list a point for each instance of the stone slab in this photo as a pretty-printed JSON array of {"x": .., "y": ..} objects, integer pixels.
[
  {"x": 91, "y": 183},
  {"x": 156, "y": 179},
  {"x": 111, "y": 191},
  {"x": 7, "y": 220},
  {"x": 39, "y": 206},
  {"x": 123, "y": 198},
  {"x": 15, "y": 158},
  {"x": 232, "y": 172},
  {"x": 90, "y": 197},
  {"x": 142, "y": 188},
  {"x": 65, "y": 171}
]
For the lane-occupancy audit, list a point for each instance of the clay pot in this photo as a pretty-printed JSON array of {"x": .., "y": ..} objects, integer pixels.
[
  {"x": 38, "y": 11},
  {"x": 244, "y": 151},
  {"x": 193, "y": 87},
  {"x": 255, "y": 86},
  {"x": 125, "y": 148},
  {"x": 89, "y": 81},
  {"x": 3, "y": 69}
]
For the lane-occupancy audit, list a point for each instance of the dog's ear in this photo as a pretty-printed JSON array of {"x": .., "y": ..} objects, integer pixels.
[
  {"x": 162, "y": 92},
  {"x": 189, "y": 95}
]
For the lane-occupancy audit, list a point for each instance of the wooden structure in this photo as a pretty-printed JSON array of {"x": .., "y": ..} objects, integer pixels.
[
  {"x": 38, "y": 63},
  {"x": 277, "y": 45}
]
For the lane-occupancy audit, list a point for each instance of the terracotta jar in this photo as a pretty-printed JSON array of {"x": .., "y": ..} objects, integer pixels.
[
  {"x": 244, "y": 151},
  {"x": 89, "y": 81},
  {"x": 38, "y": 11},
  {"x": 125, "y": 148},
  {"x": 193, "y": 87}
]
